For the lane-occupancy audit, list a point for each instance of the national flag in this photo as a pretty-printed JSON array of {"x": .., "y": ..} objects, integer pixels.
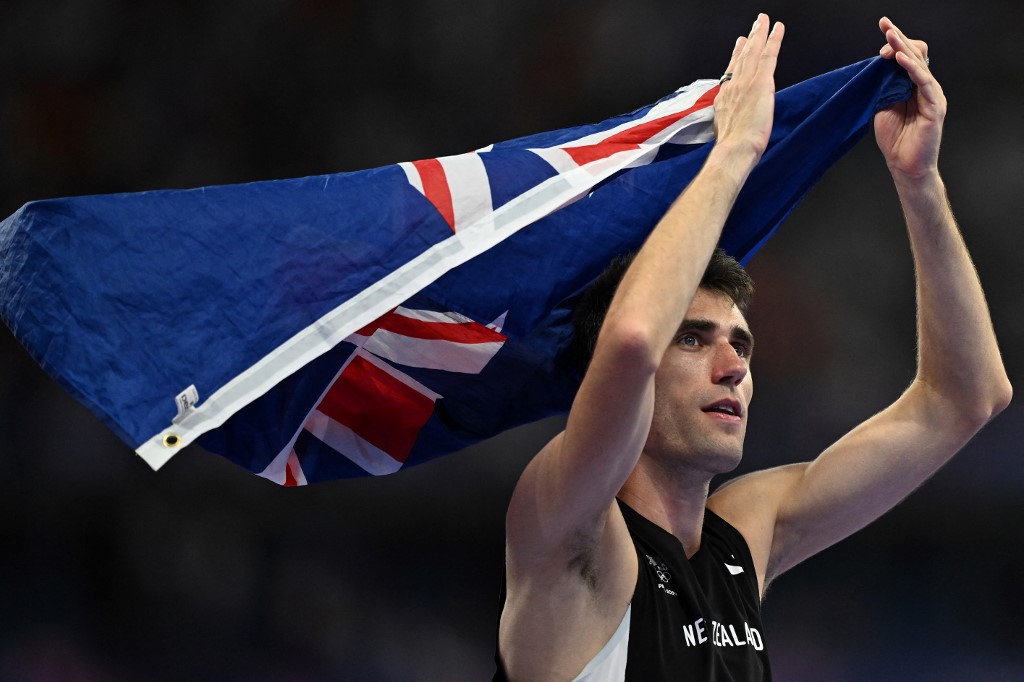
[{"x": 356, "y": 323}]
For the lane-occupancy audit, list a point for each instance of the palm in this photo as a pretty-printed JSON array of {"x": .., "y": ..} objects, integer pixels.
[{"x": 909, "y": 137}]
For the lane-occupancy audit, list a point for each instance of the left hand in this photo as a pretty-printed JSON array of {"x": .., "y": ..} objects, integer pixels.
[
  {"x": 909, "y": 133},
  {"x": 745, "y": 105}
]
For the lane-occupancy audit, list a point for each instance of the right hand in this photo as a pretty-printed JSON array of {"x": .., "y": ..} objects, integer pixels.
[{"x": 745, "y": 105}]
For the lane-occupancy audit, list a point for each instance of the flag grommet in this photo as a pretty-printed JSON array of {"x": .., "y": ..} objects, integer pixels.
[{"x": 172, "y": 440}]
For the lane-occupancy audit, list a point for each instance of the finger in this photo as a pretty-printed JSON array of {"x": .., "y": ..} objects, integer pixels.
[
  {"x": 931, "y": 101},
  {"x": 916, "y": 50},
  {"x": 760, "y": 25},
  {"x": 774, "y": 43},
  {"x": 886, "y": 51},
  {"x": 922, "y": 77},
  {"x": 770, "y": 52},
  {"x": 898, "y": 41},
  {"x": 735, "y": 54},
  {"x": 755, "y": 41}
]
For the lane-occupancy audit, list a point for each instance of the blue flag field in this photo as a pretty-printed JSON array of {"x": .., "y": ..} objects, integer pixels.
[{"x": 358, "y": 323}]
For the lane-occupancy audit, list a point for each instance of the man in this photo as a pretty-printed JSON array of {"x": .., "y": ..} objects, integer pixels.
[{"x": 638, "y": 587}]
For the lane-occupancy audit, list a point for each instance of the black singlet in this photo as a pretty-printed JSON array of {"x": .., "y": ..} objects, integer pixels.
[{"x": 690, "y": 619}]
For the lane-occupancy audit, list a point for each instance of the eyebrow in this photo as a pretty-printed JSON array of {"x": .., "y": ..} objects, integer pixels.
[{"x": 737, "y": 332}]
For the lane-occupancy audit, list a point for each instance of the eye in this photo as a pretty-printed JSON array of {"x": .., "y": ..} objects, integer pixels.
[
  {"x": 689, "y": 340},
  {"x": 741, "y": 350}
]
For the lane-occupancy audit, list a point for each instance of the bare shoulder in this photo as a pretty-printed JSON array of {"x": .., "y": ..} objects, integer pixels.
[
  {"x": 567, "y": 587},
  {"x": 750, "y": 504}
]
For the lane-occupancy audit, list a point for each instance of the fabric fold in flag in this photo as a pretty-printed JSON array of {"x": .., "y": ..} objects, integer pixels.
[{"x": 358, "y": 323}]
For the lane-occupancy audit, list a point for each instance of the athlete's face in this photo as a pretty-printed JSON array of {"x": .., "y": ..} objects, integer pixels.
[{"x": 703, "y": 388}]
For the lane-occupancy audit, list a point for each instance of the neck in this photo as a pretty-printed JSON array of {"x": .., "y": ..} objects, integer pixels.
[{"x": 674, "y": 500}]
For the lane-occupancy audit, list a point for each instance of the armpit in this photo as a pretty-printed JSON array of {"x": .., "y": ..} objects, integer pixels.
[{"x": 583, "y": 560}]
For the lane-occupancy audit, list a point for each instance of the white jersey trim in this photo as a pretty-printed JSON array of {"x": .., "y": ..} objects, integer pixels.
[{"x": 609, "y": 665}]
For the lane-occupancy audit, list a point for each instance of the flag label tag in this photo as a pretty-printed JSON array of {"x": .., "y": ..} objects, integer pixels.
[{"x": 185, "y": 401}]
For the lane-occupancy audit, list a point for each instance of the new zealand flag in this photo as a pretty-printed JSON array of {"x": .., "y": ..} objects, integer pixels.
[{"x": 356, "y": 323}]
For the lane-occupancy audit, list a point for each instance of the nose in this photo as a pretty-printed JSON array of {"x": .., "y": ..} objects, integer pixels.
[{"x": 728, "y": 368}]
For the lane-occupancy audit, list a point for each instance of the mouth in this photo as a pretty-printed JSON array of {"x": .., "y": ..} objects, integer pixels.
[{"x": 727, "y": 409}]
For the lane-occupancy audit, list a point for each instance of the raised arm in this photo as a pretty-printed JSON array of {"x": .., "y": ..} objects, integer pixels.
[
  {"x": 565, "y": 537},
  {"x": 960, "y": 382},
  {"x": 577, "y": 476}
]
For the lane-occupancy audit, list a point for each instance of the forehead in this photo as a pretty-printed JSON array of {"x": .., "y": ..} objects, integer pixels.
[{"x": 710, "y": 304}]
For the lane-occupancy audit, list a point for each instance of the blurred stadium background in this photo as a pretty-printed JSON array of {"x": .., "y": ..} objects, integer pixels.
[{"x": 202, "y": 571}]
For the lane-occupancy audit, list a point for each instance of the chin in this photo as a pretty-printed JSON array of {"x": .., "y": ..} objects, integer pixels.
[
  {"x": 724, "y": 463},
  {"x": 712, "y": 456},
  {"x": 721, "y": 458},
  {"x": 715, "y": 458}
]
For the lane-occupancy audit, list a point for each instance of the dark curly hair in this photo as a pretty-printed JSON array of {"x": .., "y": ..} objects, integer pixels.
[{"x": 723, "y": 274}]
